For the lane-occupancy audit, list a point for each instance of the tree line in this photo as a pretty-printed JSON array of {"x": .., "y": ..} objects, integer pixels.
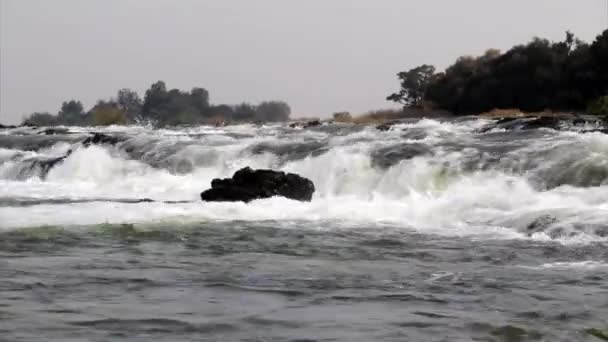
[
  {"x": 162, "y": 107},
  {"x": 570, "y": 75}
]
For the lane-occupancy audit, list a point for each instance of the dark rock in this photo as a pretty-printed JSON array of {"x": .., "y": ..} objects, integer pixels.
[
  {"x": 291, "y": 151},
  {"x": 387, "y": 125},
  {"x": 309, "y": 124},
  {"x": 502, "y": 121},
  {"x": 100, "y": 138},
  {"x": 540, "y": 224},
  {"x": 7, "y": 126},
  {"x": 384, "y": 127},
  {"x": 45, "y": 165},
  {"x": 579, "y": 122},
  {"x": 247, "y": 185},
  {"x": 526, "y": 123},
  {"x": 564, "y": 122},
  {"x": 54, "y": 131},
  {"x": 393, "y": 155},
  {"x": 542, "y": 122}
]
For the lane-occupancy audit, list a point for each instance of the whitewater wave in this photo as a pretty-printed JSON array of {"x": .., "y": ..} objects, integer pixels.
[{"x": 438, "y": 177}]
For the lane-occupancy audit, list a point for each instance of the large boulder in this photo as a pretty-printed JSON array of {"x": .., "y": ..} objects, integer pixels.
[{"x": 247, "y": 185}]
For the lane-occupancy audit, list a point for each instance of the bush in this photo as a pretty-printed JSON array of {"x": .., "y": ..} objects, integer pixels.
[
  {"x": 40, "y": 119},
  {"x": 108, "y": 115},
  {"x": 599, "y": 106},
  {"x": 344, "y": 117}
]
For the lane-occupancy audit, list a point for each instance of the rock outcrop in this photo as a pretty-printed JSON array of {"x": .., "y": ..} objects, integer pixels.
[
  {"x": 247, "y": 185},
  {"x": 308, "y": 124},
  {"x": 536, "y": 122},
  {"x": 55, "y": 131},
  {"x": 7, "y": 126},
  {"x": 100, "y": 138}
]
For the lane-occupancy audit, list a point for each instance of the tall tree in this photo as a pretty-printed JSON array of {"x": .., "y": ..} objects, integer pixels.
[
  {"x": 272, "y": 111},
  {"x": 130, "y": 103},
  {"x": 71, "y": 113},
  {"x": 413, "y": 85}
]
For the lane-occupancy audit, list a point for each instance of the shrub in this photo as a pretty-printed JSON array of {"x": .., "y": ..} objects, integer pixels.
[
  {"x": 599, "y": 106},
  {"x": 108, "y": 115},
  {"x": 344, "y": 117}
]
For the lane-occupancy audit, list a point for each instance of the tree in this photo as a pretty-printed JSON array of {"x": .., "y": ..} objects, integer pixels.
[
  {"x": 107, "y": 113},
  {"x": 272, "y": 111},
  {"x": 175, "y": 107},
  {"x": 413, "y": 85},
  {"x": 154, "y": 99},
  {"x": 199, "y": 98},
  {"x": 342, "y": 117},
  {"x": 161, "y": 106},
  {"x": 243, "y": 112},
  {"x": 71, "y": 113},
  {"x": 599, "y": 107},
  {"x": 540, "y": 75},
  {"x": 40, "y": 119},
  {"x": 130, "y": 103}
]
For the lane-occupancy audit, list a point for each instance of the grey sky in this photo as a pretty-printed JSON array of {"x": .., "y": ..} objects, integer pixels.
[{"x": 320, "y": 56}]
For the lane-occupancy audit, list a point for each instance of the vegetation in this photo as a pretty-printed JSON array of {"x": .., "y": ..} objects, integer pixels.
[
  {"x": 599, "y": 107},
  {"x": 344, "y": 117},
  {"x": 108, "y": 113},
  {"x": 602, "y": 335},
  {"x": 162, "y": 107},
  {"x": 541, "y": 75}
]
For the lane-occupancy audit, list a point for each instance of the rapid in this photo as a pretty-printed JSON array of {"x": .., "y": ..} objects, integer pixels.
[{"x": 434, "y": 230}]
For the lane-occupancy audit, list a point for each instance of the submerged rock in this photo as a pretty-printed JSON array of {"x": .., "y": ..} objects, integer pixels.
[
  {"x": 536, "y": 122},
  {"x": 387, "y": 126},
  {"x": 393, "y": 155},
  {"x": 540, "y": 224},
  {"x": 308, "y": 124},
  {"x": 100, "y": 138},
  {"x": 39, "y": 166},
  {"x": 55, "y": 131},
  {"x": 247, "y": 185}
]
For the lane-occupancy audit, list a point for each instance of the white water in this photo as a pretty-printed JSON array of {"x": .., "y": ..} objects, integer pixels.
[{"x": 421, "y": 193}]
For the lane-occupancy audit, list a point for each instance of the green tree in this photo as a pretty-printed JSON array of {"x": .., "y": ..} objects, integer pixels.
[
  {"x": 71, "y": 113},
  {"x": 154, "y": 100},
  {"x": 40, "y": 119},
  {"x": 413, "y": 85},
  {"x": 107, "y": 113},
  {"x": 243, "y": 112},
  {"x": 599, "y": 106},
  {"x": 540, "y": 75},
  {"x": 130, "y": 103},
  {"x": 199, "y": 98},
  {"x": 272, "y": 111}
]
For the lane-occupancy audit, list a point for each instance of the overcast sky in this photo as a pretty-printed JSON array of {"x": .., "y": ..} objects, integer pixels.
[{"x": 321, "y": 56}]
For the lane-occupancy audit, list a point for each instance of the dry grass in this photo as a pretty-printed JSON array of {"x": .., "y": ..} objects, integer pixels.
[
  {"x": 378, "y": 116},
  {"x": 386, "y": 115},
  {"x": 516, "y": 113},
  {"x": 502, "y": 113}
]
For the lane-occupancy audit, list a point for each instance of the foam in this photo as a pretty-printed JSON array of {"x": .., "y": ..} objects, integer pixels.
[{"x": 432, "y": 194}]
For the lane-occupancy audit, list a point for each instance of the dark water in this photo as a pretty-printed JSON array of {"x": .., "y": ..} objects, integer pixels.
[
  {"x": 252, "y": 282},
  {"x": 451, "y": 230}
]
